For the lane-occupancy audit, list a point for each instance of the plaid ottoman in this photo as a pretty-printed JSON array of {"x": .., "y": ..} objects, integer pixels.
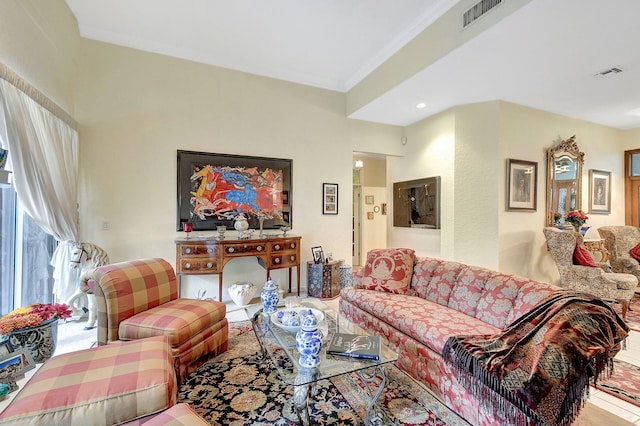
[{"x": 106, "y": 385}]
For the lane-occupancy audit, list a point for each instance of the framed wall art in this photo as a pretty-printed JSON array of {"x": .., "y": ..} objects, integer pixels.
[
  {"x": 329, "y": 198},
  {"x": 214, "y": 188},
  {"x": 522, "y": 181},
  {"x": 599, "y": 192},
  {"x": 368, "y": 199}
]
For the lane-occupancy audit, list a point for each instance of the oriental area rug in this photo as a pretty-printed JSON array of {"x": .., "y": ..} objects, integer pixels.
[
  {"x": 236, "y": 389},
  {"x": 624, "y": 383}
]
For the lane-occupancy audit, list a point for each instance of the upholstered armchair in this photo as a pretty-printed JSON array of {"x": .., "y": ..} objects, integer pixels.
[
  {"x": 619, "y": 240},
  {"x": 139, "y": 298},
  {"x": 587, "y": 279}
]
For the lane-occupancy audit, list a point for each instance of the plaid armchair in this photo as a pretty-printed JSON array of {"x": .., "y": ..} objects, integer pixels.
[
  {"x": 139, "y": 299},
  {"x": 619, "y": 240},
  {"x": 587, "y": 279}
]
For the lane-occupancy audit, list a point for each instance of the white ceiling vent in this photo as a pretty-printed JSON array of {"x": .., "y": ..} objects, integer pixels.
[
  {"x": 478, "y": 10},
  {"x": 608, "y": 73}
]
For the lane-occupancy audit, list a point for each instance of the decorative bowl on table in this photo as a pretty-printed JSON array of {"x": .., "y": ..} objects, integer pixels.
[{"x": 290, "y": 319}]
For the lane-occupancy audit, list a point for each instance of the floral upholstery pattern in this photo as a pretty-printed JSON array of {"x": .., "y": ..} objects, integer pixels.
[
  {"x": 619, "y": 241},
  {"x": 585, "y": 279},
  {"x": 446, "y": 298},
  {"x": 388, "y": 270}
]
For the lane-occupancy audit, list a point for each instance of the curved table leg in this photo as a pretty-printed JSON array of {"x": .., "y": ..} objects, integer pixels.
[
  {"x": 374, "y": 413},
  {"x": 301, "y": 403},
  {"x": 306, "y": 377}
]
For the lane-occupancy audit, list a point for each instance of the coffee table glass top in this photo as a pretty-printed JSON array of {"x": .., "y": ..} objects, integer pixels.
[{"x": 280, "y": 345}]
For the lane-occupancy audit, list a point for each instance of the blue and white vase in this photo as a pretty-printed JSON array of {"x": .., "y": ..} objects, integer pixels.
[
  {"x": 309, "y": 342},
  {"x": 270, "y": 297}
]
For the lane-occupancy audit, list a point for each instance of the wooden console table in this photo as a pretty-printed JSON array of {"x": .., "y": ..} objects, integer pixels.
[{"x": 196, "y": 256}]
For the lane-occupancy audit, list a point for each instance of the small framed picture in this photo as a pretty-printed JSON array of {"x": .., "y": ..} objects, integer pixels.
[
  {"x": 599, "y": 192},
  {"x": 522, "y": 178},
  {"x": 370, "y": 215},
  {"x": 368, "y": 199},
  {"x": 384, "y": 208},
  {"x": 318, "y": 255},
  {"x": 285, "y": 216},
  {"x": 15, "y": 364},
  {"x": 329, "y": 198},
  {"x": 285, "y": 197}
]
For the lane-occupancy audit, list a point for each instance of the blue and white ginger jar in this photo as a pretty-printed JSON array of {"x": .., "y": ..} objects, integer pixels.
[
  {"x": 309, "y": 342},
  {"x": 269, "y": 297}
]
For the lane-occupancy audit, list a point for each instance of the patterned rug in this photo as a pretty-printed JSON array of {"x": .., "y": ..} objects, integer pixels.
[
  {"x": 236, "y": 389},
  {"x": 624, "y": 383}
]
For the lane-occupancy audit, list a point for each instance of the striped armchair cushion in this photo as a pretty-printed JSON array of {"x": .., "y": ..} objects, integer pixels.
[{"x": 179, "y": 320}]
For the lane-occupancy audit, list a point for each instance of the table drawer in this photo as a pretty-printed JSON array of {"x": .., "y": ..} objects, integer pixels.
[
  {"x": 198, "y": 250},
  {"x": 283, "y": 260},
  {"x": 198, "y": 264},
  {"x": 283, "y": 246},
  {"x": 244, "y": 249}
]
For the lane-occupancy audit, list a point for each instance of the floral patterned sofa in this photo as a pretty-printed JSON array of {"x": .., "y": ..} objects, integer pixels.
[{"x": 417, "y": 303}]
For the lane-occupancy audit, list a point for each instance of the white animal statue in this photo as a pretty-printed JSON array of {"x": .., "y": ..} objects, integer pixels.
[{"x": 85, "y": 256}]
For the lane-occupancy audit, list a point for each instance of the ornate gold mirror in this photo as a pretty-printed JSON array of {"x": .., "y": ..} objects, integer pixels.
[{"x": 564, "y": 179}]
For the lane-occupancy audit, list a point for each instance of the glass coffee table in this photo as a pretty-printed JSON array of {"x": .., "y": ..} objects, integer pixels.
[{"x": 280, "y": 346}]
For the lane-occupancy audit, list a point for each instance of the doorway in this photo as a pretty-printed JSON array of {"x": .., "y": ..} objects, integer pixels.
[
  {"x": 356, "y": 228},
  {"x": 632, "y": 187}
]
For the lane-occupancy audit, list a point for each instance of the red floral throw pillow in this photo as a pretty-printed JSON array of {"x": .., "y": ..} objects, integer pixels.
[
  {"x": 582, "y": 256},
  {"x": 635, "y": 252},
  {"x": 388, "y": 270}
]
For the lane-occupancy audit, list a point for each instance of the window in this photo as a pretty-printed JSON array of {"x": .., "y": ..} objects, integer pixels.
[
  {"x": 635, "y": 164},
  {"x": 25, "y": 271}
]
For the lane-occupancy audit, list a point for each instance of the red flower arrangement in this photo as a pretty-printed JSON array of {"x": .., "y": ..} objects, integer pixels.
[
  {"x": 577, "y": 218},
  {"x": 33, "y": 315}
]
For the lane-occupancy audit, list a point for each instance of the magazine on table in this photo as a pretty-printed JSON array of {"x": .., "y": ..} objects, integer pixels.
[{"x": 355, "y": 346}]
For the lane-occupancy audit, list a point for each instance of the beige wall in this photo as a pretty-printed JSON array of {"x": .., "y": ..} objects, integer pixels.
[
  {"x": 526, "y": 134},
  {"x": 39, "y": 41},
  {"x": 429, "y": 152},
  {"x": 136, "y": 109}
]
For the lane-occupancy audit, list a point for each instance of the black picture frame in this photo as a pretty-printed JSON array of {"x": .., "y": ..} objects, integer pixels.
[
  {"x": 205, "y": 182},
  {"x": 318, "y": 254},
  {"x": 522, "y": 185},
  {"x": 329, "y": 198}
]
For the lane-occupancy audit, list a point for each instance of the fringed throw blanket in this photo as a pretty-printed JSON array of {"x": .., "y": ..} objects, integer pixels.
[{"x": 537, "y": 371}]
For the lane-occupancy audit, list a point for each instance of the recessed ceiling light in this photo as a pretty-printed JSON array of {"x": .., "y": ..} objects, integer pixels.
[{"x": 421, "y": 105}]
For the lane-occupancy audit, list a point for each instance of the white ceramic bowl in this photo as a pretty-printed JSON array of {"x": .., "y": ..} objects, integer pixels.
[{"x": 295, "y": 328}]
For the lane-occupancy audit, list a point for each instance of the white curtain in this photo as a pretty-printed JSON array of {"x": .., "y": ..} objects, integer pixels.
[{"x": 43, "y": 156}]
